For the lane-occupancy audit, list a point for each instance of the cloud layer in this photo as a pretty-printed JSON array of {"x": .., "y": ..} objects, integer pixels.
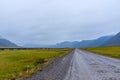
[{"x": 51, "y": 21}]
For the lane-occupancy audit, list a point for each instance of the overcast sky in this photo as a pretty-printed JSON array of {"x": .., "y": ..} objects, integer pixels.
[{"x": 52, "y": 21}]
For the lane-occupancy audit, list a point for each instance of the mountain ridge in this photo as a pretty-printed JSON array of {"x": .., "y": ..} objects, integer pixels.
[
  {"x": 114, "y": 41},
  {"x": 6, "y": 43},
  {"x": 111, "y": 40},
  {"x": 84, "y": 43}
]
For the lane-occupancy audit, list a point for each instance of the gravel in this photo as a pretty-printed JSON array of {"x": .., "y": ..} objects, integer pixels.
[{"x": 56, "y": 71}]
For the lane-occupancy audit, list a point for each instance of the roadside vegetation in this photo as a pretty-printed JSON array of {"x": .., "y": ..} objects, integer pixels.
[
  {"x": 106, "y": 51},
  {"x": 23, "y": 63}
]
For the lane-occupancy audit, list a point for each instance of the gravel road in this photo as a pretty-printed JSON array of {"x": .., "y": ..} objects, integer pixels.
[
  {"x": 81, "y": 65},
  {"x": 56, "y": 71}
]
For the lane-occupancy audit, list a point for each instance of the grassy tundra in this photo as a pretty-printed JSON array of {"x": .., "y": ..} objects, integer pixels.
[
  {"x": 18, "y": 63},
  {"x": 106, "y": 51}
]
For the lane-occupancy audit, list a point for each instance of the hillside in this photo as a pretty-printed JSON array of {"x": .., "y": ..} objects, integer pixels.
[
  {"x": 83, "y": 43},
  {"x": 6, "y": 43},
  {"x": 114, "y": 41}
]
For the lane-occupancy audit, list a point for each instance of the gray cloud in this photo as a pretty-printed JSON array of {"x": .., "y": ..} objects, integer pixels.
[{"x": 51, "y": 21}]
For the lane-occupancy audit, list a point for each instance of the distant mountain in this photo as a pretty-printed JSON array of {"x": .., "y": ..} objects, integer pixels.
[
  {"x": 84, "y": 43},
  {"x": 93, "y": 43},
  {"x": 102, "y": 41},
  {"x": 6, "y": 43},
  {"x": 114, "y": 41}
]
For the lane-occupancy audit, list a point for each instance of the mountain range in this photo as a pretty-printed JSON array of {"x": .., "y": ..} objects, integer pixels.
[
  {"x": 113, "y": 40},
  {"x": 84, "y": 43}
]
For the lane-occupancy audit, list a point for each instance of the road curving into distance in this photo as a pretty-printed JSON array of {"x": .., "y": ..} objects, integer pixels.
[{"x": 81, "y": 65}]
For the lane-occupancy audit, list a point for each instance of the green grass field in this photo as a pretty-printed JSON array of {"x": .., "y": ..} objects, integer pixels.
[
  {"x": 14, "y": 63},
  {"x": 106, "y": 51}
]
